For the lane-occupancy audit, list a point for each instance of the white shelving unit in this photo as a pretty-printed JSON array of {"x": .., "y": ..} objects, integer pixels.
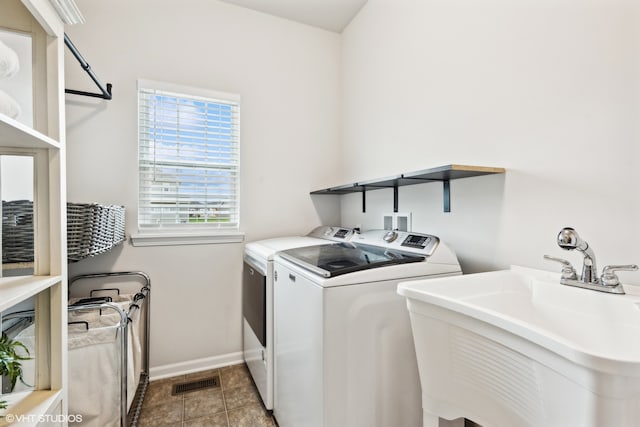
[{"x": 45, "y": 142}]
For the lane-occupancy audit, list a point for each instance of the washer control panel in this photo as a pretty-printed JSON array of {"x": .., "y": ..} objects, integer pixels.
[{"x": 419, "y": 241}]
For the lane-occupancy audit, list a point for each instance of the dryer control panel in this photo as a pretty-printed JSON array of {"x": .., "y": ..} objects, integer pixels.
[
  {"x": 418, "y": 243},
  {"x": 336, "y": 234}
]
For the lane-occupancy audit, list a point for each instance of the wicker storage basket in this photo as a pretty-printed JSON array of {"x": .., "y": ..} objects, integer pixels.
[
  {"x": 93, "y": 229},
  {"x": 17, "y": 231}
]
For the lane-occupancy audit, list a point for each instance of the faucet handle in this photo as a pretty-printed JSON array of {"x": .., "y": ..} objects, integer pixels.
[
  {"x": 609, "y": 277},
  {"x": 568, "y": 272}
]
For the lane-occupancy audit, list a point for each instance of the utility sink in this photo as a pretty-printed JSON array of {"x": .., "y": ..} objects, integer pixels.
[{"x": 516, "y": 348}]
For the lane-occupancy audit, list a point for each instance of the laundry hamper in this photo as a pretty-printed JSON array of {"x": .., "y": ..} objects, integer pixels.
[
  {"x": 107, "y": 357},
  {"x": 85, "y": 329},
  {"x": 87, "y": 309},
  {"x": 95, "y": 354}
]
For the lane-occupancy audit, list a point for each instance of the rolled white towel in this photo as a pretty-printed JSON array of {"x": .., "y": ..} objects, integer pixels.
[
  {"x": 9, "y": 63},
  {"x": 9, "y": 106}
]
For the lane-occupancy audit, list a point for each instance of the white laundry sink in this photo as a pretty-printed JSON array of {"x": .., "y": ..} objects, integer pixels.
[{"x": 516, "y": 348}]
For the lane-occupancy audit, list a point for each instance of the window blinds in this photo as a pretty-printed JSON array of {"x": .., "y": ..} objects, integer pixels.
[{"x": 188, "y": 160}]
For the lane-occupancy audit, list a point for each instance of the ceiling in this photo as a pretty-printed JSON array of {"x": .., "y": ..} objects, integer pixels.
[{"x": 332, "y": 15}]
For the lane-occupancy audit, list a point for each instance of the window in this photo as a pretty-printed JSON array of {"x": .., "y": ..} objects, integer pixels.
[{"x": 188, "y": 161}]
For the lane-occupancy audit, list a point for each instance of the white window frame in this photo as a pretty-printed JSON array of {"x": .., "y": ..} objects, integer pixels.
[{"x": 186, "y": 234}]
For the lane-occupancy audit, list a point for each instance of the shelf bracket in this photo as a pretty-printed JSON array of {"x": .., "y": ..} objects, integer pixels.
[
  {"x": 364, "y": 199},
  {"x": 395, "y": 198},
  {"x": 446, "y": 196},
  {"x": 105, "y": 91}
]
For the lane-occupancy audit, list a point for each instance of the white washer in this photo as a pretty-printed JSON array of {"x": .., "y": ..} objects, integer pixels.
[
  {"x": 344, "y": 353},
  {"x": 257, "y": 300}
]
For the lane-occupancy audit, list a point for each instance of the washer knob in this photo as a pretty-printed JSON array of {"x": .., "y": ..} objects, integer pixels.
[{"x": 390, "y": 236}]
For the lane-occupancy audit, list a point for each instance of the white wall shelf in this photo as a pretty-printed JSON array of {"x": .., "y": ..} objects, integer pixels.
[
  {"x": 16, "y": 134},
  {"x": 16, "y": 289},
  {"x": 439, "y": 174}
]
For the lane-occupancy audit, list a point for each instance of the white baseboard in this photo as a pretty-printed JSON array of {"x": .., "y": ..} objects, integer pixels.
[{"x": 188, "y": 367}]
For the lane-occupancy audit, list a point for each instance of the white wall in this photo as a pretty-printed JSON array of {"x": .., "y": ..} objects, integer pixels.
[
  {"x": 547, "y": 89},
  {"x": 288, "y": 77}
]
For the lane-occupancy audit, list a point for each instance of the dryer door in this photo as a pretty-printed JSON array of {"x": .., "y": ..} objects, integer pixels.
[{"x": 254, "y": 300}]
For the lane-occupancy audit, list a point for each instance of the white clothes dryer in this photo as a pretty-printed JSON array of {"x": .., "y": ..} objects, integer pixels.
[{"x": 257, "y": 300}]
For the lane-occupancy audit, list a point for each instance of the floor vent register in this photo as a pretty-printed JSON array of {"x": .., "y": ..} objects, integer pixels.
[{"x": 201, "y": 384}]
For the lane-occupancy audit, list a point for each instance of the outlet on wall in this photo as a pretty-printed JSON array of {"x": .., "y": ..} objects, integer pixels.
[{"x": 397, "y": 221}]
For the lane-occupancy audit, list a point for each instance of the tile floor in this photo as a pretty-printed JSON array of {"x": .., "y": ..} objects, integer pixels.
[{"x": 235, "y": 403}]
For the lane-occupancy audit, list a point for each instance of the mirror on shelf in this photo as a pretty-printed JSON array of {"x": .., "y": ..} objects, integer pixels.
[{"x": 16, "y": 192}]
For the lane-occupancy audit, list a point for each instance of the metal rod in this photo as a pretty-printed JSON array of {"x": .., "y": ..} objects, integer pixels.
[
  {"x": 106, "y": 92},
  {"x": 94, "y": 95},
  {"x": 142, "y": 274},
  {"x": 20, "y": 325},
  {"x": 19, "y": 315}
]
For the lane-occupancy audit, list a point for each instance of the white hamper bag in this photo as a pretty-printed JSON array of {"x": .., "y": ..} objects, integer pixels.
[
  {"x": 94, "y": 372},
  {"x": 110, "y": 317}
]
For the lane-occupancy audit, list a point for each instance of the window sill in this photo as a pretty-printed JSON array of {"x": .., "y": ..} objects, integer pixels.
[{"x": 173, "y": 238}]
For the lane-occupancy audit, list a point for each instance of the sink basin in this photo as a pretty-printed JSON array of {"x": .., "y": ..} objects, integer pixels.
[{"x": 516, "y": 348}]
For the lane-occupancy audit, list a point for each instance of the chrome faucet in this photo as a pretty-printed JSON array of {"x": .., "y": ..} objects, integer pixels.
[{"x": 569, "y": 239}]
